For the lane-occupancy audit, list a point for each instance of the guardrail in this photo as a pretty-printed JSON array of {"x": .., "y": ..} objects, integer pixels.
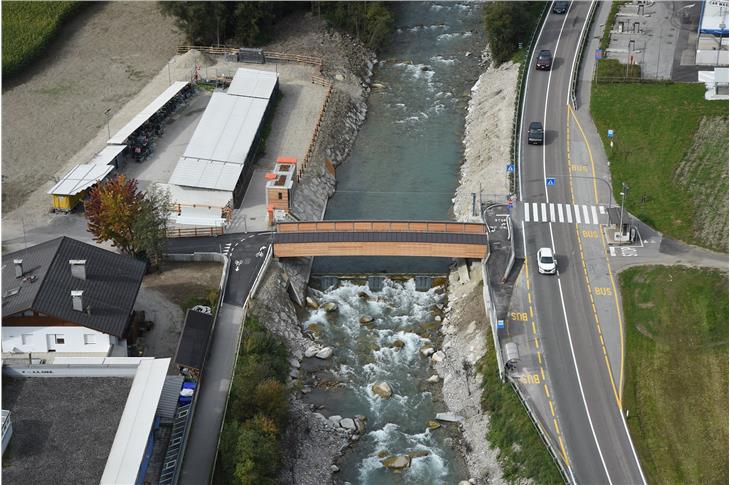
[
  {"x": 553, "y": 454},
  {"x": 578, "y": 60},
  {"x": 383, "y": 226},
  {"x": 524, "y": 69},
  {"x": 194, "y": 231},
  {"x": 273, "y": 55},
  {"x": 511, "y": 238}
]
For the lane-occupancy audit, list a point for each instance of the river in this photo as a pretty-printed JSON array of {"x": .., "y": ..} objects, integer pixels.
[{"x": 404, "y": 165}]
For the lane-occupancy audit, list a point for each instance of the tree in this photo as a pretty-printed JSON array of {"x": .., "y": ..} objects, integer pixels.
[
  {"x": 134, "y": 221},
  {"x": 258, "y": 457},
  {"x": 271, "y": 398},
  {"x": 505, "y": 24}
]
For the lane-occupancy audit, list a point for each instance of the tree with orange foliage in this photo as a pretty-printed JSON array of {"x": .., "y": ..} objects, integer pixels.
[{"x": 134, "y": 221}]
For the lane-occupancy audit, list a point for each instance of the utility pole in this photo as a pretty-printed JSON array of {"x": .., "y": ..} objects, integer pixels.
[
  {"x": 108, "y": 117},
  {"x": 624, "y": 190}
]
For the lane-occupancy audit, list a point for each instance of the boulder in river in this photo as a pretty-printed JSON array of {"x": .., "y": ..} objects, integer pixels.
[
  {"x": 348, "y": 424},
  {"x": 449, "y": 417},
  {"x": 363, "y": 295},
  {"x": 330, "y": 307},
  {"x": 382, "y": 389},
  {"x": 397, "y": 462},
  {"x": 426, "y": 350},
  {"x": 438, "y": 357},
  {"x": 431, "y": 424},
  {"x": 335, "y": 469},
  {"x": 360, "y": 421},
  {"x": 399, "y": 344},
  {"x": 325, "y": 353},
  {"x": 433, "y": 379},
  {"x": 312, "y": 303},
  {"x": 365, "y": 319},
  {"x": 418, "y": 453}
]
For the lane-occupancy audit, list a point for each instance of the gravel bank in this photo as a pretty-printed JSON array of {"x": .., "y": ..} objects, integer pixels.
[{"x": 487, "y": 140}]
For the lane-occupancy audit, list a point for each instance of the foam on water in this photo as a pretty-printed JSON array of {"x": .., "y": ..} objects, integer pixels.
[{"x": 452, "y": 35}]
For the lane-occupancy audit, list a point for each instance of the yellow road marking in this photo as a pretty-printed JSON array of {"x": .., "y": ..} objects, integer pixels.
[
  {"x": 534, "y": 329},
  {"x": 539, "y": 357},
  {"x": 562, "y": 448},
  {"x": 542, "y": 373},
  {"x": 547, "y": 393},
  {"x": 531, "y": 314},
  {"x": 537, "y": 345},
  {"x": 552, "y": 409},
  {"x": 557, "y": 428}
]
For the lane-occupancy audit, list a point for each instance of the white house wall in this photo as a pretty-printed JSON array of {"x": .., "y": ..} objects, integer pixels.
[{"x": 36, "y": 340}]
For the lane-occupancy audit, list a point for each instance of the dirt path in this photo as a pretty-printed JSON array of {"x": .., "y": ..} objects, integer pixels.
[{"x": 102, "y": 59}]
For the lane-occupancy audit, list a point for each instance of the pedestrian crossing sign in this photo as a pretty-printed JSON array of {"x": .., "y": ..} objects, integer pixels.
[
  {"x": 510, "y": 168},
  {"x": 549, "y": 181}
]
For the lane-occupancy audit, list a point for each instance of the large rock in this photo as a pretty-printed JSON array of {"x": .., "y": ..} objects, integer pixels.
[
  {"x": 335, "y": 419},
  {"x": 330, "y": 307},
  {"x": 363, "y": 295},
  {"x": 365, "y": 319},
  {"x": 312, "y": 303},
  {"x": 418, "y": 453},
  {"x": 360, "y": 421},
  {"x": 399, "y": 344},
  {"x": 382, "y": 389},
  {"x": 311, "y": 351},
  {"x": 348, "y": 424},
  {"x": 433, "y": 379},
  {"x": 431, "y": 424},
  {"x": 426, "y": 350},
  {"x": 397, "y": 462},
  {"x": 449, "y": 417},
  {"x": 325, "y": 353},
  {"x": 294, "y": 363},
  {"x": 438, "y": 357}
]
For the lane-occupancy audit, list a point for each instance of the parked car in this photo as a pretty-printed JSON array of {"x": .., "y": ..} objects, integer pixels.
[
  {"x": 546, "y": 261},
  {"x": 535, "y": 133},
  {"x": 561, "y": 7},
  {"x": 544, "y": 60}
]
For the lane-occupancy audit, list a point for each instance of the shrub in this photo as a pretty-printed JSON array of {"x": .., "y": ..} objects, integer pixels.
[
  {"x": 258, "y": 458},
  {"x": 271, "y": 399},
  {"x": 371, "y": 22},
  {"x": 611, "y": 70}
]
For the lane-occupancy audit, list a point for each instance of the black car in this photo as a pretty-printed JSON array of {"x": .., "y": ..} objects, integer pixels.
[
  {"x": 560, "y": 7},
  {"x": 544, "y": 60},
  {"x": 535, "y": 134}
]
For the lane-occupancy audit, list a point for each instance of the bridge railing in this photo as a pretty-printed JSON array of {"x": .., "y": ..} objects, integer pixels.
[{"x": 382, "y": 226}]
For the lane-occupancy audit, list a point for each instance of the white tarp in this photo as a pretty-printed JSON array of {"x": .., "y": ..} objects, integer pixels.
[
  {"x": 253, "y": 83},
  {"x": 193, "y": 172},
  {"x": 80, "y": 178},
  {"x": 121, "y": 136},
  {"x": 107, "y": 155},
  {"x": 227, "y": 129}
]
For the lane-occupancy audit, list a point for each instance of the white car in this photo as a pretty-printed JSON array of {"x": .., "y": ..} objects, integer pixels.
[{"x": 546, "y": 261}]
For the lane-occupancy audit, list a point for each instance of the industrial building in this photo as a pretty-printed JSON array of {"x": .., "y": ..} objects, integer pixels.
[
  {"x": 219, "y": 160},
  {"x": 90, "y": 420},
  {"x": 712, "y": 42}
]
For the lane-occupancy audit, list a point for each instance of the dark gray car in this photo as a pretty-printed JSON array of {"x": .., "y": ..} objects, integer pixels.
[
  {"x": 535, "y": 134},
  {"x": 561, "y": 7}
]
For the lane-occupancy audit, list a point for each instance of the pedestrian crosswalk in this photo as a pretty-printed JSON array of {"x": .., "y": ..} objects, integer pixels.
[{"x": 565, "y": 213}]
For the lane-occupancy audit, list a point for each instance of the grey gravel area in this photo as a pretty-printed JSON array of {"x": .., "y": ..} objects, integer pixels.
[{"x": 63, "y": 427}]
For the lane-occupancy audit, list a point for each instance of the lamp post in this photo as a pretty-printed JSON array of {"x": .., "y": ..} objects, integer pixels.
[
  {"x": 719, "y": 46},
  {"x": 108, "y": 117},
  {"x": 624, "y": 190}
]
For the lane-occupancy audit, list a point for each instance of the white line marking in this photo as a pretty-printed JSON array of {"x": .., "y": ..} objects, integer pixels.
[
  {"x": 577, "y": 213},
  {"x": 594, "y": 214},
  {"x": 601, "y": 209},
  {"x": 536, "y": 217},
  {"x": 560, "y": 212},
  {"x": 552, "y": 212},
  {"x": 568, "y": 214},
  {"x": 586, "y": 216},
  {"x": 543, "y": 209},
  {"x": 527, "y": 212}
]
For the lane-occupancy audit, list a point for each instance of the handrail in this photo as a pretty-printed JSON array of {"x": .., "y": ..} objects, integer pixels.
[
  {"x": 277, "y": 56},
  {"x": 520, "y": 95},
  {"x": 382, "y": 226},
  {"x": 194, "y": 231},
  {"x": 578, "y": 60}
]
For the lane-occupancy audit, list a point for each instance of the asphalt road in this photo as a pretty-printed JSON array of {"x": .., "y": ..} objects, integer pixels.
[
  {"x": 598, "y": 446},
  {"x": 247, "y": 252}
]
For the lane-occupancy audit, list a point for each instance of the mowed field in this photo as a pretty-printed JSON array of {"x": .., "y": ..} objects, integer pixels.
[
  {"x": 670, "y": 147},
  {"x": 676, "y": 389}
]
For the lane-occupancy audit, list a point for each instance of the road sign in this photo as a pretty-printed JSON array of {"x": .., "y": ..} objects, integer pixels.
[
  {"x": 510, "y": 168},
  {"x": 500, "y": 323},
  {"x": 549, "y": 181},
  {"x": 610, "y": 134},
  {"x": 599, "y": 54}
]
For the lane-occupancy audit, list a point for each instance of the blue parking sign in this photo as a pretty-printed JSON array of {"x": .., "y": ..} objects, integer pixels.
[
  {"x": 500, "y": 323},
  {"x": 610, "y": 134}
]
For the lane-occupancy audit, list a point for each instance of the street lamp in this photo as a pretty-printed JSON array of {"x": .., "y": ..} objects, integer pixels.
[
  {"x": 108, "y": 117},
  {"x": 719, "y": 46},
  {"x": 624, "y": 190}
]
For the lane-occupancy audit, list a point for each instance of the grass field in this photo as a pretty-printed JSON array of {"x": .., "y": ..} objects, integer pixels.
[
  {"x": 676, "y": 387},
  {"x": 509, "y": 425},
  {"x": 28, "y": 27},
  {"x": 655, "y": 126}
]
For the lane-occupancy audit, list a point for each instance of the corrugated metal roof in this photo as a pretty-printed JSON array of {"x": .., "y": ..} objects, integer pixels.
[
  {"x": 110, "y": 288},
  {"x": 121, "y": 136},
  {"x": 227, "y": 129},
  {"x": 107, "y": 155},
  {"x": 130, "y": 441},
  {"x": 207, "y": 174},
  {"x": 80, "y": 178},
  {"x": 196, "y": 196},
  {"x": 168, "y": 398},
  {"x": 253, "y": 83},
  {"x": 193, "y": 343}
]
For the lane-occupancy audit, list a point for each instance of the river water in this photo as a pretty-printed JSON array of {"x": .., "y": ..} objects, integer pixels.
[
  {"x": 404, "y": 165},
  {"x": 406, "y": 158}
]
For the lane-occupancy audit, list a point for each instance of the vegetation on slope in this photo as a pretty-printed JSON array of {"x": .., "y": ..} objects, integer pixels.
[
  {"x": 662, "y": 154},
  {"x": 509, "y": 426},
  {"x": 676, "y": 388},
  {"x": 508, "y": 26},
  {"x": 28, "y": 28}
]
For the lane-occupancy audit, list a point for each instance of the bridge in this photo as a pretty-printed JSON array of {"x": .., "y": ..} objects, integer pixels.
[{"x": 381, "y": 238}]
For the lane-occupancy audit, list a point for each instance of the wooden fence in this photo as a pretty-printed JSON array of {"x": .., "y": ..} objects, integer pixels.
[
  {"x": 194, "y": 231},
  {"x": 272, "y": 55},
  {"x": 382, "y": 226}
]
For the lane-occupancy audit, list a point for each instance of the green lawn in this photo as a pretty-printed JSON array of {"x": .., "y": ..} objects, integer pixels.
[
  {"x": 655, "y": 126},
  {"x": 509, "y": 425},
  {"x": 28, "y": 27},
  {"x": 676, "y": 387}
]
